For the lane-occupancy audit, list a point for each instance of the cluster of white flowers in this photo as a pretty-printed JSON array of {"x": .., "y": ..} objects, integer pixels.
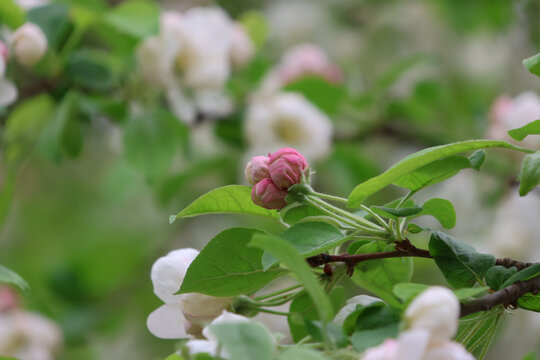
[
  {"x": 23, "y": 334},
  {"x": 192, "y": 58},
  {"x": 431, "y": 321},
  {"x": 277, "y": 119},
  {"x": 507, "y": 114},
  {"x": 28, "y": 45},
  {"x": 183, "y": 314}
]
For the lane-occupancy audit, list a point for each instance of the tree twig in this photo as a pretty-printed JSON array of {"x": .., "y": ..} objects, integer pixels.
[
  {"x": 507, "y": 297},
  {"x": 508, "y": 263}
]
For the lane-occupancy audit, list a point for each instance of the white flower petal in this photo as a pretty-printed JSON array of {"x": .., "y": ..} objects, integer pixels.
[
  {"x": 351, "y": 305},
  {"x": 182, "y": 107},
  {"x": 202, "y": 346},
  {"x": 8, "y": 92},
  {"x": 167, "y": 322},
  {"x": 225, "y": 318}
]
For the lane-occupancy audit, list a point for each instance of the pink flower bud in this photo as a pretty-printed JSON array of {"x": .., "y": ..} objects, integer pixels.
[
  {"x": 266, "y": 194},
  {"x": 257, "y": 169},
  {"x": 286, "y": 167}
]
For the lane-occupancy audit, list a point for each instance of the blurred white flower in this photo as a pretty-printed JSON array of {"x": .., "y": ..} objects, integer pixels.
[
  {"x": 287, "y": 120},
  {"x": 185, "y": 312},
  {"x": 435, "y": 310},
  {"x": 507, "y": 113},
  {"x": 8, "y": 90},
  {"x": 28, "y": 336},
  {"x": 351, "y": 305},
  {"x": 191, "y": 59},
  {"x": 29, "y": 4},
  {"x": 29, "y": 44}
]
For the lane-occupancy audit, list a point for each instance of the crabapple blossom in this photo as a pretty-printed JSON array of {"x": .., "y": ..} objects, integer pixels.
[
  {"x": 287, "y": 167},
  {"x": 435, "y": 310},
  {"x": 507, "y": 113},
  {"x": 257, "y": 169},
  {"x": 266, "y": 194},
  {"x": 287, "y": 119},
  {"x": 29, "y": 44},
  {"x": 8, "y": 91},
  {"x": 184, "y": 313},
  {"x": 242, "y": 48}
]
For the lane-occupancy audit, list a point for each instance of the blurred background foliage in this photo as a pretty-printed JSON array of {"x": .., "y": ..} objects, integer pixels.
[{"x": 88, "y": 183}]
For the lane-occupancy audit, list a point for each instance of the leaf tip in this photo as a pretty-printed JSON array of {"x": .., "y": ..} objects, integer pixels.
[{"x": 172, "y": 219}]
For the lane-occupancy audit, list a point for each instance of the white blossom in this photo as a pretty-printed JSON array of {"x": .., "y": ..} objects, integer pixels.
[
  {"x": 183, "y": 313},
  {"x": 435, "y": 310},
  {"x": 29, "y": 44},
  {"x": 287, "y": 120}
]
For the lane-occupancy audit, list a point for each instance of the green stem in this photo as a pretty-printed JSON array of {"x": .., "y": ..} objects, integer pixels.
[
  {"x": 274, "y": 312},
  {"x": 346, "y": 221},
  {"x": 279, "y": 292},
  {"x": 376, "y": 216}
]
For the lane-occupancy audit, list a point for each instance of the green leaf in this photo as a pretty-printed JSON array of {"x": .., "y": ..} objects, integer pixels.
[
  {"x": 497, "y": 275},
  {"x": 91, "y": 69},
  {"x": 228, "y": 267},
  {"x": 531, "y": 356},
  {"x": 227, "y": 199},
  {"x": 530, "y": 173},
  {"x": 433, "y": 173},
  {"x": 151, "y": 142},
  {"x": 54, "y": 135},
  {"x": 8, "y": 276},
  {"x": 287, "y": 254},
  {"x": 6, "y": 194},
  {"x": 461, "y": 264},
  {"x": 174, "y": 357},
  {"x": 326, "y": 96},
  {"x": 375, "y": 323},
  {"x": 393, "y": 213},
  {"x": 476, "y": 332},
  {"x": 416, "y": 161},
  {"x": 465, "y": 293},
  {"x": 530, "y": 302},
  {"x": 533, "y": 64},
  {"x": 136, "y": 18},
  {"x": 440, "y": 209},
  {"x": 406, "y": 292},
  {"x": 11, "y": 14},
  {"x": 53, "y": 19},
  {"x": 414, "y": 229},
  {"x": 256, "y": 26},
  {"x": 295, "y": 214},
  {"x": 532, "y": 128},
  {"x": 334, "y": 333},
  {"x": 297, "y": 353},
  {"x": 477, "y": 159},
  {"x": 245, "y": 340},
  {"x": 525, "y": 274},
  {"x": 379, "y": 276},
  {"x": 309, "y": 239}
]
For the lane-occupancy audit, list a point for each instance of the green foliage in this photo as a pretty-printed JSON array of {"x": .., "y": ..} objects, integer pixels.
[
  {"x": 295, "y": 214},
  {"x": 380, "y": 276},
  {"x": 289, "y": 257},
  {"x": 227, "y": 199},
  {"x": 461, "y": 264},
  {"x": 406, "y": 292},
  {"x": 91, "y": 69},
  {"x": 532, "y": 128},
  {"x": 393, "y": 213},
  {"x": 54, "y": 21},
  {"x": 373, "y": 324},
  {"x": 256, "y": 26},
  {"x": 530, "y": 302},
  {"x": 11, "y": 14},
  {"x": 525, "y": 274},
  {"x": 533, "y": 64},
  {"x": 135, "y": 18},
  {"x": 296, "y": 353},
  {"x": 476, "y": 332},
  {"x": 227, "y": 266},
  {"x": 309, "y": 239},
  {"x": 530, "y": 173},
  {"x": 440, "y": 209},
  {"x": 8, "y": 276},
  {"x": 326, "y": 96},
  {"x": 497, "y": 275},
  {"x": 416, "y": 161},
  {"x": 245, "y": 340}
]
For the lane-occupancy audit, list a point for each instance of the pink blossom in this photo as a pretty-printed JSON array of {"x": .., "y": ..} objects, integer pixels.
[
  {"x": 287, "y": 167},
  {"x": 266, "y": 194},
  {"x": 257, "y": 169},
  {"x": 4, "y": 52},
  {"x": 304, "y": 60}
]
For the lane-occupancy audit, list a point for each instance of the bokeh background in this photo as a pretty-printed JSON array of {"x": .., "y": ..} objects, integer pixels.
[{"x": 83, "y": 226}]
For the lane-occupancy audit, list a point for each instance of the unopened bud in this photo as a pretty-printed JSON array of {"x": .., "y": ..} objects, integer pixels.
[
  {"x": 287, "y": 166},
  {"x": 29, "y": 44},
  {"x": 257, "y": 169},
  {"x": 266, "y": 194}
]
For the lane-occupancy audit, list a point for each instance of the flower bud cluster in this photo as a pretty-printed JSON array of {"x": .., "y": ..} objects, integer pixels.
[
  {"x": 181, "y": 314},
  {"x": 272, "y": 175},
  {"x": 431, "y": 321}
]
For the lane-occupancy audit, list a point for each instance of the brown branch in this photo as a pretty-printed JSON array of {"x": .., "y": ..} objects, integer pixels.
[
  {"x": 508, "y": 263},
  {"x": 507, "y": 296}
]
